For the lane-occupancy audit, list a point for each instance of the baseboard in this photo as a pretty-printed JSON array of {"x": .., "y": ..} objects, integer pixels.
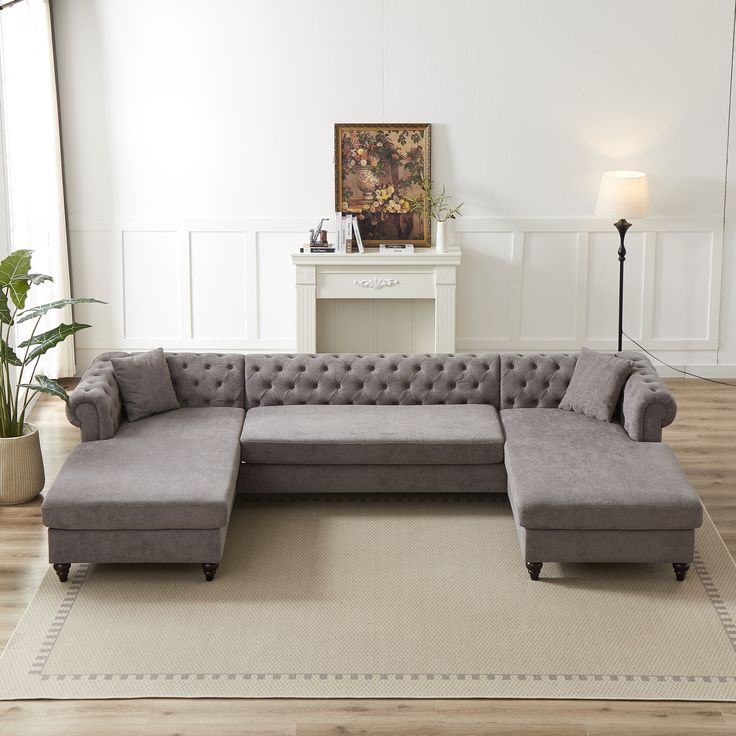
[{"x": 725, "y": 371}]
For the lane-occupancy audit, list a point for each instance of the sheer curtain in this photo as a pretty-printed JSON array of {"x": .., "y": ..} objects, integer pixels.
[{"x": 33, "y": 162}]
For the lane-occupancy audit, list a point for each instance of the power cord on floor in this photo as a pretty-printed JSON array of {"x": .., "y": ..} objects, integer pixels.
[{"x": 679, "y": 370}]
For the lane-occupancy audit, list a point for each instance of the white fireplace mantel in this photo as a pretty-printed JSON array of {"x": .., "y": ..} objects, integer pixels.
[{"x": 424, "y": 274}]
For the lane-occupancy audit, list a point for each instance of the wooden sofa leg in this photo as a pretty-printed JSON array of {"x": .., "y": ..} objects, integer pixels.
[
  {"x": 209, "y": 569},
  {"x": 62, "y": 570},
  {"x": 681, "y": 569},
  {"x": 534, "y": 569}
]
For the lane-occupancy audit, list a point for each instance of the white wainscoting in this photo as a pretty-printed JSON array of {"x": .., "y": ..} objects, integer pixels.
[{"x": 524, "y": 284}]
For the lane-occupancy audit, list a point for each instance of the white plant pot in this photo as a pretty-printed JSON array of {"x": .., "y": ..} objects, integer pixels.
[
  {"x": 21, "y": 467},
  {"x": 443, "y": 235}
]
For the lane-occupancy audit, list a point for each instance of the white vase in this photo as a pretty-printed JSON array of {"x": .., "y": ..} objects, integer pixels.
[
  {"x": 442, "y": 236},
  {"x": 21, "y": 467}
]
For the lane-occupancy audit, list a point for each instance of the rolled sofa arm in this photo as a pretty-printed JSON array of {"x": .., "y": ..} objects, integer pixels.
[
  {"x": 647, "y": 404},
  {"x": 94, "y": 405}
]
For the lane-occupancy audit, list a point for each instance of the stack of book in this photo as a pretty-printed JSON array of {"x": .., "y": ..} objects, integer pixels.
[{"x": 347, "y": 235}]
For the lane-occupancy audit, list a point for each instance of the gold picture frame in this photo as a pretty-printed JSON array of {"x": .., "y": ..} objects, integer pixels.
[{"x": 378, "y": 167}]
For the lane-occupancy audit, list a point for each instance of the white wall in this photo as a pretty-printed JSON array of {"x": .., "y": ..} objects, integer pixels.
[
  {"x": 198, "y": 143},
  {"x": 727, "y": 346}
]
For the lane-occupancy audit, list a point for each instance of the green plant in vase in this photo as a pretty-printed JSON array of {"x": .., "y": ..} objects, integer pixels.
[
  {"x": 439, "y": 208},
  {"x": 21, "y": 466}
]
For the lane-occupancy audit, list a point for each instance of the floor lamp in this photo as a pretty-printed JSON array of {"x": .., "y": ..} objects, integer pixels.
[{"x": 624, "y": 195}]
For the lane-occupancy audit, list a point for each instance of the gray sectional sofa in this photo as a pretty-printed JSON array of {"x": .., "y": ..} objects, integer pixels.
[{"x": 161, "y": 489}]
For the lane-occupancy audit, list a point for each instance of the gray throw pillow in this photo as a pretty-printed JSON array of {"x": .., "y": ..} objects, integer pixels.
[
  {"x": 145, "y": 384},
  {"x": 596, "y": 385}
]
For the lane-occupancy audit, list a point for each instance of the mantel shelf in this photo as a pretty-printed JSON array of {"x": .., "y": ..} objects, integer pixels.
[{"x": 373, "y": 259}]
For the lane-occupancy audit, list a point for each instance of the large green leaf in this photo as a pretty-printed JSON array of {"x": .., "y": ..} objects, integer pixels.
[
  {"x": 14, "y": 276},
  {"x": 7, "y": 355},
  {"x": 5, "y": 317},
  {"x": 39, "y": 311},
  {"x": 47, "y": 386},
  {"x": 47, "y": 340}
]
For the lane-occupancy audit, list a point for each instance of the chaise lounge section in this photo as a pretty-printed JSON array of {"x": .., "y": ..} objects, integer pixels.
[
  {"x": 156, "y": 490},
  {"x": 161, "y": 489},
  {"x": 582, "y": 491}
]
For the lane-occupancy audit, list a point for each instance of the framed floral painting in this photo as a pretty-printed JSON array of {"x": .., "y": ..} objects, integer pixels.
[{"x": 378, "y": 170}]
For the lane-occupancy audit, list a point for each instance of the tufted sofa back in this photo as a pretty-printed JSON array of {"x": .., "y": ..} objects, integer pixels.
[
  {"x": 273, "y": 380},
  {"x": 505, "y": 381},
  {"x": 199, "y": 379},
  {"x": 208, "y": 379},
  {"x": 529, "y": 381}
]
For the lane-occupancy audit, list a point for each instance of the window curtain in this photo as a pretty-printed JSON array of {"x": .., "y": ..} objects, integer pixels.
[{"x": 33, "y": 165}]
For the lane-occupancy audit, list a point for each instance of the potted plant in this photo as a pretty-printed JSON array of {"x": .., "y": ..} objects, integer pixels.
[
  {"x": 21, "y": 464},
  {"x": 439, "y": 209}
]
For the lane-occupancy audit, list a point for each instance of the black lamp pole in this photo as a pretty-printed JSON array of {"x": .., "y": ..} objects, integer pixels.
[{"x": 622, "y": 226}]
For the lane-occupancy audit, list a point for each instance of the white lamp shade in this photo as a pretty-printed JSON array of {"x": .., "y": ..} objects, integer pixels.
[{"x": 623, "y": 195}]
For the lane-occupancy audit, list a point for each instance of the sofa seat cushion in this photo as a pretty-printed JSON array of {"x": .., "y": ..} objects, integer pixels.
[
  {"x": 568, "y": 471},
  {"x": 170, "y": 471},
  {"x": 453, "y": 434}
]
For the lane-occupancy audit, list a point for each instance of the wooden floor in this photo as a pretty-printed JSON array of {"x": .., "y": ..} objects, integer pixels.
[{"x": 704, "y": 438}]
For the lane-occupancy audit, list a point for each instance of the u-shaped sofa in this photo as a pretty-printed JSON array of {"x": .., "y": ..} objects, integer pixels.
[{"x": 161, "y": 489}]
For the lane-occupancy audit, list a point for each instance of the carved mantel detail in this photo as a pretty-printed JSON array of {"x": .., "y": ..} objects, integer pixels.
[{"x": 375, "y": 283}]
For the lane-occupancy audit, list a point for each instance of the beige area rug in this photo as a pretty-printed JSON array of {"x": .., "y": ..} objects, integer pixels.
[{"x": 380, "y": 598}]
